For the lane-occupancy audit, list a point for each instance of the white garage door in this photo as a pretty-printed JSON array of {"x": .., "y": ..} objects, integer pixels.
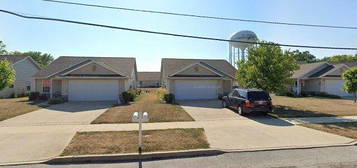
[
  {"x": 335, "y": 87},
  {"x": 196, "y": 89},
  {"x": 93, "y": 90}
]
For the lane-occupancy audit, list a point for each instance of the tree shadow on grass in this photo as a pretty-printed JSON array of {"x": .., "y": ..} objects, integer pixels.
[{"x": 287, "y": 112}]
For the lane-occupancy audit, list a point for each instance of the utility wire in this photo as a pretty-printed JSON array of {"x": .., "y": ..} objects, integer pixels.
[
  {"x": 169, "y": 34},
  {"x": 205, "y": 16}
]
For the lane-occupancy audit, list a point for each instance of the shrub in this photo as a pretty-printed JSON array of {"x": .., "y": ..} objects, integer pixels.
[
  {"x": 322, "y": 94},
  {"x": 169, "y": 98},
  {"x": 44, "y": 96},
  {"x": 285, "y": 93},
  {"x": 57, "y": 100},
  {"x": 126, "y": 97},
  {"x": 34, "y": 96}
]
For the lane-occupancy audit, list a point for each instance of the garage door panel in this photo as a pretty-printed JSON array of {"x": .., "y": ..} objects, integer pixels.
[
  {"x": 196, "y": 89},
  {"x": 93, "y": 90},
  {"x": 335, "y": 87}
]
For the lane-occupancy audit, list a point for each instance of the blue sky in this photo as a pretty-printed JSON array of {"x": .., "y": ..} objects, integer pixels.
[{"x": 61, "y": 39}]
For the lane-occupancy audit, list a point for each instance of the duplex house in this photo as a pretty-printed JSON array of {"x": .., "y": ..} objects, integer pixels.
[
  {"x": 321, "y": 77},
  {"x": 197, "y": 78},
  {"x": 25, "y": 68},
  {"x": 148, "y": 79},
  {"x": 87, "y": 78}
]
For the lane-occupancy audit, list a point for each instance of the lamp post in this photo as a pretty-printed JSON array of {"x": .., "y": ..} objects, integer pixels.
[{"x": 140, "y": 117}]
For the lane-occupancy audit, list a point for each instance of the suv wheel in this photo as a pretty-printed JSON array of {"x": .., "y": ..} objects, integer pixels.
[
  {"x": 224, "y": 104},
  {"x": 240, "y": 110}
]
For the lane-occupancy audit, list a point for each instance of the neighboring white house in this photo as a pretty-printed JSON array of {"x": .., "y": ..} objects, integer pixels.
[
  {"x": 25, "y": 68},
  {"x": 321, "y": 77},
  {"x": 87, "y": 78},
  {"x": 197, "y": 78}
]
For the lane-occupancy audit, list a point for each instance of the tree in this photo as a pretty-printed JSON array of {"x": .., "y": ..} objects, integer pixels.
[
  {"x": 7, "y": 74},
  {"x": 267, "y": 68},
  {"x": 340, "y": 58},
  {"x": 305, "y": 56},
  {"x": 350, "y": 85},
  {"x": 42, "y": 58},
  {"x": 2, "y": 48}
]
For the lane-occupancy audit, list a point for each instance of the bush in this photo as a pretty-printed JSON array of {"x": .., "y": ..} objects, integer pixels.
[
  {"x": 57, "y": 100},
  {"x": 169, "y": 98},
  {"x": 126, "y": 97},
  {"x": 44, "y": 96},
  {"x": 285, "y": 93},
  {"x": 129, "y": 96},
  {"x": 322, "y": 94},
  {"x": 34, "y": 96}
]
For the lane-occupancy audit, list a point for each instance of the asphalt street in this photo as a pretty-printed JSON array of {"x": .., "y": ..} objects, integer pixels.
[{"x": 329, "y": 157}]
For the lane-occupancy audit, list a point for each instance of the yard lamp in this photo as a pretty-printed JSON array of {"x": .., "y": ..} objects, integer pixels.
[{"x": 140, "y": 117}]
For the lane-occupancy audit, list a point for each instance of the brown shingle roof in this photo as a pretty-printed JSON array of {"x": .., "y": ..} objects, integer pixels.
[
  {"x": 122, "y": 64},
  {"x": 148, "y": 76},
  {"x": 349, "y": 64},
  {"x": 12, "y": 58},
  {"x": 172, "y": 65},
  {"x": 304, "y": 69}
]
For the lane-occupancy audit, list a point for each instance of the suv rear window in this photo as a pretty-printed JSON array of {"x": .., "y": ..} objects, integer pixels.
[{"x": 258, "y": 95}]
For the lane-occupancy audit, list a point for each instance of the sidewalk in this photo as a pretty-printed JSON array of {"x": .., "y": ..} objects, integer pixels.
[{"x": 318, "y": 120}]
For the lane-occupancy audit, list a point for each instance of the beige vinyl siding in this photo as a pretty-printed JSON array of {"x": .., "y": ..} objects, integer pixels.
[
  {"x": 227, "y": 86},
  {"x": 65, "y": 87},
  {"x": 38, "y": 84},
  {"x": 92, "y": 68},
  {"x": 312, "y": 85},
  {"x": 197, "y": 70}
]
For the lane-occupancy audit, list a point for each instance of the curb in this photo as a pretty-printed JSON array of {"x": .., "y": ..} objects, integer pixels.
[
  {"x": 135, "y": 157},
  {"x": 131, "y": 157},
  {"x": 352, "y": 143}
]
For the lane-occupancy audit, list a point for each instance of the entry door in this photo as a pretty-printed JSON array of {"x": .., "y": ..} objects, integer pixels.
[{"x": 196, "y": 89}]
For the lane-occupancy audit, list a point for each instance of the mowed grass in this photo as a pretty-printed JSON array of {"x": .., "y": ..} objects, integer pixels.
[
  {"x": 347, "y": 129},
  {"x": 16, "y": 106},
  {"x": 147, "y": 102},
  {"x": 85, "y": 143},
  {"x": 312, "y": 107}
]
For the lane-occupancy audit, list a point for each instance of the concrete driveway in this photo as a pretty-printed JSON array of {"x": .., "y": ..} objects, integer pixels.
[
  {"x": 72, "y": 113},
  {"x": 229, "y": 131},
  {"x": 44, "y": 133}
]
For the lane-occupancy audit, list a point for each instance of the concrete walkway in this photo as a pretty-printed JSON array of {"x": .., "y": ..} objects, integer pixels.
[
  {"x": 229, "y": 131},
  {"x": 318, "y": 120},
  {"x": 41, "y": 135},
  {"x": 67, "y": 113},
  {"x": 45, "y": 133}
]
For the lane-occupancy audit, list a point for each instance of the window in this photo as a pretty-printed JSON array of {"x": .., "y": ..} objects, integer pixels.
[
  {"x": 243, "y": 94},
  {"x": 235, "y": 94},
  {"x": 258, "y": 95},
  {"x": 46, "y": 89},
  {"x": 28, "y": 85},
  {"x": 46, "y": 86}
]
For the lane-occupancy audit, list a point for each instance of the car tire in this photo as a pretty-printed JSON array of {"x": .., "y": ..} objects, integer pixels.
[
  {"x": 240, "y": 110},
  {"x": 224, "y": 104}
]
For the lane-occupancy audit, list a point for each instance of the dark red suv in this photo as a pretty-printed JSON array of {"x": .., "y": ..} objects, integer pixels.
[{"x": 248, "y": 100}]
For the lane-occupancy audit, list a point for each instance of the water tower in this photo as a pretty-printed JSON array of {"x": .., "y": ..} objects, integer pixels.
[{"x": 237, "y": 49}]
